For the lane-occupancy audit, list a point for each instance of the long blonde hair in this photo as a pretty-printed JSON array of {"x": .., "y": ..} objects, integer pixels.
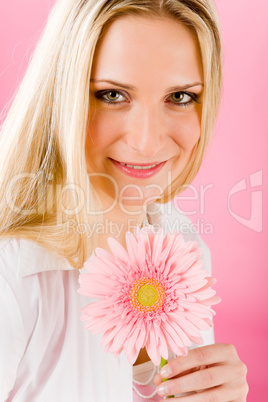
[{"x": 43, "y": 137}]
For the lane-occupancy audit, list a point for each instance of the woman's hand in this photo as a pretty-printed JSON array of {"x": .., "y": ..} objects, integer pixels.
[{"x": 213, "y": 373}]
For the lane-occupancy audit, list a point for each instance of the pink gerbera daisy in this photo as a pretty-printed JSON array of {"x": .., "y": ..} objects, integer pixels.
[{"x": 154, "y": 295}]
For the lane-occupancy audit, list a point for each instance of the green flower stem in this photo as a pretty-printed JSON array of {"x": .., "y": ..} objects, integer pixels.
[{"x": 162, "y": 364}]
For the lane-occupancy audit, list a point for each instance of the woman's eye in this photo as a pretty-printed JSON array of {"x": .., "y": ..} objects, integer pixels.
[
  {"x": 111, "y": 96},
  {"x": 184, "y": 98}
]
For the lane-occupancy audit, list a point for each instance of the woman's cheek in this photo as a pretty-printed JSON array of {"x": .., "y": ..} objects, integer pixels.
[
  {"x": 187, "y": 131},
  {"x": 105, "y": 128}
]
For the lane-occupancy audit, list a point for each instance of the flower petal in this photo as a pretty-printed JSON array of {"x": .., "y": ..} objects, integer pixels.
[
  {"x": 152, "y": 348},
  {"x": 157, "y": 246},
  {"x": 168, "y": 242},
  {"x": 140, "y": 343},
  {"x": 118, "y": 250},
  {"x": 132, "y": 248},
  {"x": 197, "y": 321},
  {"x": 171, "y": 343}
]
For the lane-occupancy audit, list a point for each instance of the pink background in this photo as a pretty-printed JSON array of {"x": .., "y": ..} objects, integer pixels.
[{"x": 235, "y": 232}]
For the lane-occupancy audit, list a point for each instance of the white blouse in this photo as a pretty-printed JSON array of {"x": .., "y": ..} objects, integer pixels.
[{"x": 45, "y": 352}]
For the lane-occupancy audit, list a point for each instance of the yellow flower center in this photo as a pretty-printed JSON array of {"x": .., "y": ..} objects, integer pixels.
[{"x": 147, "y": 295}]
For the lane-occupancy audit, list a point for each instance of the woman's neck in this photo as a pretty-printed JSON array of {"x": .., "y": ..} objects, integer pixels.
[{"x": 119, "y": 219}]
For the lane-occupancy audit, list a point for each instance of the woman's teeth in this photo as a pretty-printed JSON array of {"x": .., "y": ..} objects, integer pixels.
[{"x": 138, "y": 167}]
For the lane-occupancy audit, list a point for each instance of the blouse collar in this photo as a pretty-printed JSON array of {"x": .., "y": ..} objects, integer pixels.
[{"x": 35, "y": 258}]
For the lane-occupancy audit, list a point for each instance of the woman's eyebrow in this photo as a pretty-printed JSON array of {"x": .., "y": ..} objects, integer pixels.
[
  {"x": 131, "y": 87},
  {"x": 119, "y": 84}
]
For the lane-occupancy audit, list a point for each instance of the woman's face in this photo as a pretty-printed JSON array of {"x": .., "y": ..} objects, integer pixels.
[{"x": 146, "y": 83}]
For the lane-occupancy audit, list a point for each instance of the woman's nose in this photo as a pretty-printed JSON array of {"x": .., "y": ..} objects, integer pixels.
[{"x": 145, "y": 133}]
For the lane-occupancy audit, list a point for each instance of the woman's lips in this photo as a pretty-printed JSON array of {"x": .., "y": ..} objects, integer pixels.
[{"x": 143, "y": 172}]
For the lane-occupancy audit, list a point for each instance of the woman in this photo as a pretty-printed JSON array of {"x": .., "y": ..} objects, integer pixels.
[{"x": 111, "y": 122}]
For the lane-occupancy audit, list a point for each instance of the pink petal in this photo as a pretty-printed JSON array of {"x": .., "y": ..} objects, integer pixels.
[
  {"x": 211, "y": 281},
  {"x": 211, "y": 301},
  {"x": 132, "y": 355},
  {"x": 177, "y": 245},
  {"x": 185, "y": 339},
  {"x": 97, "y": 308},
  {"x": 141, "y": 339},
  {"x": 97, "y": 325},
  {"x": 97, "y": 289},
  {"x": 109, "y": 335},
  {"x": 192, "y": 285},
  {"x": 195, "y": 271},
  {"x": 188, "y": 327},
  {"x": 173, "y": 333},
  {"x": 107, "y": 347},
  {"x": 204, "y": 294},
  {"x": 130, "y": 347},
  {"x": 157, "y": 246},
  {"x": 163, "y": 349},
  {"x": 186, "y": 262},
  {"x": 96, "y": 265},
  {"x": 174, "y": 262},
  {"x": 171, "y": 343},
  {"x": 147, "y": 246},
  {"x": 197, "y": 339},
  {"x": 167, "y": 244},
  {"x": 141, "y": 252},
  {"x": 196, "y": 307},
  {"x": 122, "y": 335},
  {"x": 132, "y": 248},
  {"x": 151, "y": 242},
  {"x": 103, "y": 263},
  {"x": 208, "y": 321},
  {"x": 199, "y": 252},
  {"x": 104, "y": 254},
  {"x": 197, "y": 321},
  {"x": 118, "y": 250},
  {"x": 152, "y": 349},
  {"x": 190, "y": 246}
]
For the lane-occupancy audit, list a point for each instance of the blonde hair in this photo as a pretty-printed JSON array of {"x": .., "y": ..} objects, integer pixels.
[{"x": 43, "y": 137}]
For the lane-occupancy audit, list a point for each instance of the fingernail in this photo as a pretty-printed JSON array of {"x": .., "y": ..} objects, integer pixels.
[
  {"x": 165, "y": 371},
  {"x": 162, "y": 389}
]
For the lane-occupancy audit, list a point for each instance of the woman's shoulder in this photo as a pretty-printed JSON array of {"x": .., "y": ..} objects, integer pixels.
[
  {"x": 24, "y": 257},
  {"x": 4, "y": 241},
  {"x": 9, "y": 254}
]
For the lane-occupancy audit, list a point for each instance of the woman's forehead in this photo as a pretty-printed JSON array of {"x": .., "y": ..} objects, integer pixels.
[{"x": 134, "y": 47}]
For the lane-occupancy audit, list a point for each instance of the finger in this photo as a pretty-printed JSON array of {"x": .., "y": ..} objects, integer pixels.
[
  {"x": 239, "y": 400},
  {"x": 197, "y": 381},
  {"x": 158, "y": 379},
  {"x": 215, "y": 395},
  {"x": 224, "y": 392},
  {"x": 205, "y": 355}
]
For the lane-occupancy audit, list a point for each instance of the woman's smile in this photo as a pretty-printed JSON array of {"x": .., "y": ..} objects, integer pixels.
[{"x": 142, "y": 171}]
